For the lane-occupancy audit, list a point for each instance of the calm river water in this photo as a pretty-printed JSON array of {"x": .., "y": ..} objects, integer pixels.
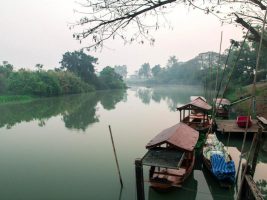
[{"x": 60, "y": 148}]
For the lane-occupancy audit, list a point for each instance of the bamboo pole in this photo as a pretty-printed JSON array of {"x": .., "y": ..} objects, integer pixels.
[
  {"x": 253, "y": 94},
  {"x": 115, "y": 154}
]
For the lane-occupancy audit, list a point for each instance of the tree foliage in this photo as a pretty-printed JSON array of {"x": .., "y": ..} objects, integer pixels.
[
  {"x": 77, "y": 75},
  {"x": 206, "y": 67},
  {"x": 80, "y": 64},
  {"x": 144, "y": 71},
  {"x": 44, "y": 83},
  {"x": 110, "y": 79},
  {"x": 121, "y": 70},
  {"x": 156, "y": 70}
]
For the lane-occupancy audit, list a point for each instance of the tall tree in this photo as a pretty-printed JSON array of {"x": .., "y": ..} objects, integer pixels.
[
  {"x": 156, "y": 70},
  {"x": 172, "y": 61},
  {"x": 81, "y": 64},
  {"x": 145, "y": 71},
  {"x": 110, "y": 79},
  {"x": 5, "y": 70},
  {"x": 121, "y": 70},
  {"x": 39, "y": 67}
]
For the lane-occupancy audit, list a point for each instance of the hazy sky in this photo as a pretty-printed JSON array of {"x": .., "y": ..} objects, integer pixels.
[{"x": 36, "y": 31}]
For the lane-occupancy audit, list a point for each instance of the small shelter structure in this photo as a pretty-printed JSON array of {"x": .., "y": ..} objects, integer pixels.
[
  {"x": 222, "y": 107},
  {"x": 198, "y": 114}
]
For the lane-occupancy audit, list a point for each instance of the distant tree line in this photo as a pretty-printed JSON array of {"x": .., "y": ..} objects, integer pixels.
[
  {"x": 205, "y": 68},
  {"x": 75, "y": 75}
]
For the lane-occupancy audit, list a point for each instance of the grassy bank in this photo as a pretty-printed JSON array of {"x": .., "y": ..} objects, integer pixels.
[
  {"x": 15, "y": 98},
  {"x": 243, "y": 107}
]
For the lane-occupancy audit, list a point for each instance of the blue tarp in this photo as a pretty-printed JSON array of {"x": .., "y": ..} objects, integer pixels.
[{"x": 222, "y": 170}]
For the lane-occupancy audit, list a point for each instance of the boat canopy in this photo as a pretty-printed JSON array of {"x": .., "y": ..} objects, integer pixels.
[
  {"x": 180, "y": 136},
  {"x": 198, "y": 103},
  {"x": 163, "y": 157},
  {"x": 222, "y": 100}
]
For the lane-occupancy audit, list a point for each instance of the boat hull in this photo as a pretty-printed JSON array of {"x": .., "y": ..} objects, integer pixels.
[{"x": 165, "y": 179}]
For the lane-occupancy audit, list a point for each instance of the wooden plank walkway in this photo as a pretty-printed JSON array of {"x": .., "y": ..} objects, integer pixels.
[{"x": 226, "y": 126}]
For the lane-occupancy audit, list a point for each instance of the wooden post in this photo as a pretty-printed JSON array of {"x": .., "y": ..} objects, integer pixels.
[
  {"x": 243, "y": 187},
  {"x": 256, "y": 151},
  {"x": 139, "y": 179},
  {"x": 116, "y": 159},
  {"x": 249, "y": 187}
]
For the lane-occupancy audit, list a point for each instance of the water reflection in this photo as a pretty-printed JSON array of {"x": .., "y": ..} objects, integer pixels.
[
  {"x": 262, "y": 184},
  {"x": 77, "y": 111},
  {"x": 173, "y": 95}
]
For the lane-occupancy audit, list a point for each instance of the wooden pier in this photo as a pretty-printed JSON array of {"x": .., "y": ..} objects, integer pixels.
[{"x": 226, "y": 126}]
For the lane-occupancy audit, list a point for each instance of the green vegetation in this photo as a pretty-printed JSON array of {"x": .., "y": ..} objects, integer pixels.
[
  {"x": 194, "y": 71},
  {"x": 76, "y": 75},
  {"x": 239, "y": 92},
  {"x": 203, "y": 69},
  {"x": 15, "y": 98},
  {"x": 109, "y": 79}
]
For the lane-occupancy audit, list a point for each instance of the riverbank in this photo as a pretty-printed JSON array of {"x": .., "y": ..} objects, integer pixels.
[
  {"x": 6, "y": 99},
  {"x": 261, "y": 98}
]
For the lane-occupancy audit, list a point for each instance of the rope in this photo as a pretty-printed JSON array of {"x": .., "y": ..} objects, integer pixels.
[
  {"x": 231, "y": 72},
  {"x": 220, "y": 84},
  {"x": 217, "y": 74}
]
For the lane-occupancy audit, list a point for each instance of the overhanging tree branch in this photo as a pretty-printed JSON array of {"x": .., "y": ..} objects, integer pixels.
[{"x": 105, "y": 19}]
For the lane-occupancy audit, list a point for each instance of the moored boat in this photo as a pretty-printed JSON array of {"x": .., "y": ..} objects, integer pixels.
[
  {"x": 196, "y": 114},
  {"x": 218, "y": 160},
  {"x": 222, "y": 107},
  {"x": 171, "y": 156}
]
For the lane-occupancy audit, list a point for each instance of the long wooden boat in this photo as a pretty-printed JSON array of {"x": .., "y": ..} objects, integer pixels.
[
  {"x": 171, "y": 156},
  {"x": 218, "y": 161}
]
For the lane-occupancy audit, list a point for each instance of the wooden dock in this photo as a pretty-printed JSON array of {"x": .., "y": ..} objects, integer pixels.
[{"x": 226, "y": 126}]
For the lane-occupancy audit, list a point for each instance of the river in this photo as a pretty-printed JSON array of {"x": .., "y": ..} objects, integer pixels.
[{"x": 60, "y": 148}]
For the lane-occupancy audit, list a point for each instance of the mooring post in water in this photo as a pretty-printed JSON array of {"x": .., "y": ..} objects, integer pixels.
[
  {"x": 139, "y": 179},
  {"x": 115, "y": 154}
]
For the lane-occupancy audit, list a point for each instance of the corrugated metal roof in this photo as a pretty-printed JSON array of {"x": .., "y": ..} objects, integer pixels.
[
  {"x": 192, "y": 98},
  {"x": 180, "y": 135},
  {"x": 199, "y": 103}
]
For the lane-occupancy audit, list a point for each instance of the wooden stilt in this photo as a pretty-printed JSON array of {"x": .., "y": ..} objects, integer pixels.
[
  {"x": 256, "y": 151},
  {"x": 139, "y": 179}
]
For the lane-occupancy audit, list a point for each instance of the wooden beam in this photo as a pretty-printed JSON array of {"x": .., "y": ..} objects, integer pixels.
[
  {"x": 256, "y": 151},
  {"x": 253, "y": 188}
]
